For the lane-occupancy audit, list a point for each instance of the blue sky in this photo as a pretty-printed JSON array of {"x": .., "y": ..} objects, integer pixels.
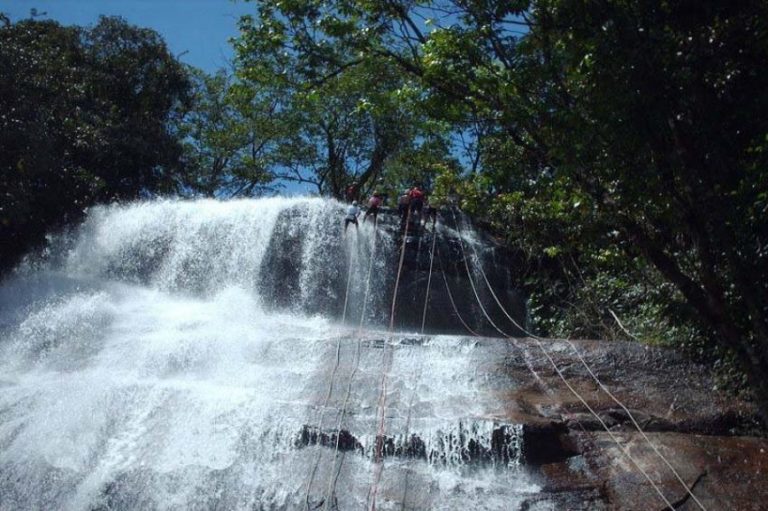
[{"x": 200, "y": 28}]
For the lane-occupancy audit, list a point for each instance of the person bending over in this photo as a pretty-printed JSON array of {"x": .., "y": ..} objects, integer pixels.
[{"x": 352, "y": 212}]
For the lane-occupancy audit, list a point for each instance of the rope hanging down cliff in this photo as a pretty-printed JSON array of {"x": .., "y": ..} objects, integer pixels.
[
  {"x": 594, "y": 377},
  {"x": 336, "y": 365},
  {"x": 559, "y": 373},
  {"x": 388, "y": 355},
  {"x": 407, "y": 432},
  {"x": 334, "y": 477}
]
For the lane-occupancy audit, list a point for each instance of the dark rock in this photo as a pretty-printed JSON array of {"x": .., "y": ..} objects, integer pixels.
[{"x": 547, "y": 443}]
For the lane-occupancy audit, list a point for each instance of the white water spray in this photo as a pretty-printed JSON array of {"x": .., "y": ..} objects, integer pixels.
[{"x": 170, "y": 353}]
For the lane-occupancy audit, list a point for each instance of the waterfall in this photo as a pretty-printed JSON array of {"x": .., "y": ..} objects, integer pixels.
[{"x": 189, "y": 355}]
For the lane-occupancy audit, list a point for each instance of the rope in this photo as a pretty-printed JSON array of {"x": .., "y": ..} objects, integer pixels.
[
  {"x": 594, "y": 377},
  {"x": 399, "y": 271},
  {"x": 330, "y": 385},
  {"x": 472, "y": 282},
  {"x": 346, "y": 292},
  {"x": 421, "y": 365},
  {"x": 320, "y": 422},
  {"x": 450, "y": 297},
  {"x": 387, "y": 365},
  {"x": 334, "y": 479},
  {"x": 556, "y": 368},
  {"x": 408, "y": 430},
  {"x": 429, "y": 280},
  {"x": 637, "y": 426}
]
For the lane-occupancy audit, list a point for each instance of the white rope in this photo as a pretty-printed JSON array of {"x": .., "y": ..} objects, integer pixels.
[
  {"x": 429, "y": 280},
  {"x": 421, "y": 365},
  {"x": 320, "y": 422},
  {"x": 595, "y": 378},
  {"x": 333, "y": 479},
  {"x": 556, "y": 368},
  {"x": 330, "y": 384},
  {"x": 346, "y": 291},
  {"x": 450, "y": 297}
]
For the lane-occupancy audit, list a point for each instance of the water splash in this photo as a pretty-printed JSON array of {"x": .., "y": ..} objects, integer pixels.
[{"x": 170, "y": 353}]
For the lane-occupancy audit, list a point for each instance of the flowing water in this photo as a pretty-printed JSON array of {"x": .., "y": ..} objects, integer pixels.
[{"x": 191, "y": 355}]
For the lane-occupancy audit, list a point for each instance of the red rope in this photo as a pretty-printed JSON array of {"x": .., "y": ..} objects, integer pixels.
[{"x": 388, "y": 356}]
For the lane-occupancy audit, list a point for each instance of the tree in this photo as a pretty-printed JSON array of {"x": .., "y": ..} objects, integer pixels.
[
  {"x": 641, "y": 127},
  {"x": 86, "y": 118},
  {"x": 346, "y": 123},
  {"x": 228, "y": 139}
]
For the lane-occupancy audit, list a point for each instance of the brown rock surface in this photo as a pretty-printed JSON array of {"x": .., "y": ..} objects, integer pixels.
[
  {"x": 702, "y": 432},
  {"x": 722, "y": 472}
]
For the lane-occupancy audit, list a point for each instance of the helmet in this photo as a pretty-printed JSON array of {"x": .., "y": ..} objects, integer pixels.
[{"x": 354, "y": 203}]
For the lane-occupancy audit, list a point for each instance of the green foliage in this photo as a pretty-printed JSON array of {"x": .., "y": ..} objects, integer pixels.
[
  {"x": 351, "y": 117},
  {"x": 86, "y": 117},
  {"x": 228, "y": 137},
  {"x": 626, "y": 136}
]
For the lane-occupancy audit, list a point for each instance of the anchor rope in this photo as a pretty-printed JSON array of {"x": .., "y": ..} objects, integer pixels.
[
  {"x": 320, "y": 423},
  {"x": 334, "y": 479},
  {"x": 429, "y": 279},
  {"x": 329, "y": 392},
  {"x": 346, "y": 293},
  {"x": 559, "y": 373},
  {"x": 388, "y": 355},
  {"x": 450, "y": 297},
  {"x": 594, "y": 377},
  {"x": 421, "y": 365}
]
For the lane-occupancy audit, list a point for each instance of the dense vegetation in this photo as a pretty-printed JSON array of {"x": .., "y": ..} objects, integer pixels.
[
  {"x": 620, "y": 146},
  {"x": 84, "y": 117}
]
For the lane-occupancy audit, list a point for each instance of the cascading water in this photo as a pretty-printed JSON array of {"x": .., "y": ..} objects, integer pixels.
[{"x": 189, "y": 355}]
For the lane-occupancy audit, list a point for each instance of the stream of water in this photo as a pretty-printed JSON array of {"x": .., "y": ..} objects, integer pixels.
[{"x": 189, "y": 355}]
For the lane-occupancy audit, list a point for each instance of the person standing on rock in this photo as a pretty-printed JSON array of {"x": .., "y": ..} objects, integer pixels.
[{"x": 352, "y": 213}]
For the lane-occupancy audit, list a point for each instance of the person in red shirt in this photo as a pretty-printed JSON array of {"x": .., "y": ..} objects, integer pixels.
[
  {"x": 417, "y": 199},
  {"x": 374, "y": 203},
  {"x": 351, "y": 192}
]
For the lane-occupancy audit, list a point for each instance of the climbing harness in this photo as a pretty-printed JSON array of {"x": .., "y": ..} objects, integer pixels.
[{"x": 557, "y": 370}]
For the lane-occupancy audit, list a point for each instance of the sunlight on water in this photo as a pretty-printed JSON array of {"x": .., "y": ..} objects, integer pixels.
[{"x": 171, "y": 352}]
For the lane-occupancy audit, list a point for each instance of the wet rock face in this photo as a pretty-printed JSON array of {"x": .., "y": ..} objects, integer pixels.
[
  {"x": 504, "y": 446},
  {"x": 307, "y": 264},
  {"x": 452, "y": 301},
  {"x": 713, "y": 441}
]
